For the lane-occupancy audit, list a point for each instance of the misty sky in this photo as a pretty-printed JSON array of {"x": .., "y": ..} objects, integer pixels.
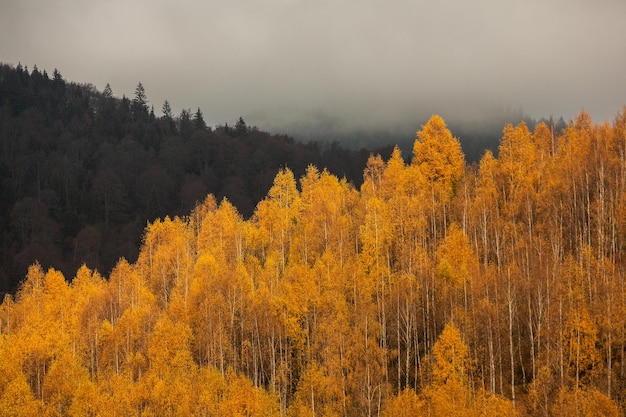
[{"x": 366, "y": 61}]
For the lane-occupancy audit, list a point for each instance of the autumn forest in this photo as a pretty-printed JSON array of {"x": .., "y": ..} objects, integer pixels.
[
  {"x": 82, "y": 171},
  {"x": 434, "y": 287}
]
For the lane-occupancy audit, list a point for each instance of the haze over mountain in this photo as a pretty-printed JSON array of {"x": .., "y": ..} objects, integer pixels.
[{"x": 361, "y": 64}]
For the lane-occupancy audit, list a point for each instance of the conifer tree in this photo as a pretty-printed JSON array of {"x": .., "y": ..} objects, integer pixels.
[{"x": 140, "y": 103}]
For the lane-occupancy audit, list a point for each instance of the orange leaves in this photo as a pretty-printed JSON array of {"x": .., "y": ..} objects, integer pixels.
[
  {"x": 451, "y": 357},
  {"x": 279, "y": 214},
  {"x": 241, "y": 398},
  {"x": 330, "y": 300},
  {"x": 585, "y": 403},
  {"x": 327, "y": 215},
  {"x": 16, "y": 399},
  {"x": 167, "y": 257},
  {"x": 376, "y": 234},
  {"x": 581, "y": 338},
  {"x": 438, "y": 154},
  {"x": 457, "y": 262},
  {"x": 68, "y": 390},
  {"x": 516, "y": 151},
  {"x": 222, "y": 232},
  {"x": 373, "y": 175},
  {"x": 284, "y": 194},
  {"x": 171, "y": 368},
  {"x": 405, "y": 404},
  {"x": 450, "y": 393},
  {"x": 317, "y": 394}
]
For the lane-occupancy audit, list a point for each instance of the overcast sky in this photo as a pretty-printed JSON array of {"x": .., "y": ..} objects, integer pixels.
[{"x": 367, "y": 61}]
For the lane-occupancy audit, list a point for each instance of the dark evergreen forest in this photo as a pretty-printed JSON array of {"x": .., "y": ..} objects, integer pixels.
[{"x": 82, "y": 171}]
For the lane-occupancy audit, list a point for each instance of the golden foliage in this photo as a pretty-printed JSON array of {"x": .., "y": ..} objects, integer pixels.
[{"x": 435, "y": 289}]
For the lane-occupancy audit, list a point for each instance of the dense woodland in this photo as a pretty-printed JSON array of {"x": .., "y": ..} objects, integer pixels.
[
  {"x": 82, "y": 171},
  {"x": 434, "y": 288}
]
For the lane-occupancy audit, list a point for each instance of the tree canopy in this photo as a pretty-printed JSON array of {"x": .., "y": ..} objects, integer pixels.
[
  {"x": 497, "y": 289},
  {"x": 82, "y": 171}
]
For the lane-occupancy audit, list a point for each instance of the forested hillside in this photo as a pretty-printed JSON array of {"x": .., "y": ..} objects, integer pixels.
[
  {"x": 435, "y": 288},
  {"x": 82, "y": 171}
]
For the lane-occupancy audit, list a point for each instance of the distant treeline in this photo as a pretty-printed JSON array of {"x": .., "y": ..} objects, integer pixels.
[{"x": 82, "y": 171}]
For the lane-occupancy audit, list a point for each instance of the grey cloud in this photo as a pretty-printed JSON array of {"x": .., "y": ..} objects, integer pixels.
[{"x": 367, "y": 62}]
